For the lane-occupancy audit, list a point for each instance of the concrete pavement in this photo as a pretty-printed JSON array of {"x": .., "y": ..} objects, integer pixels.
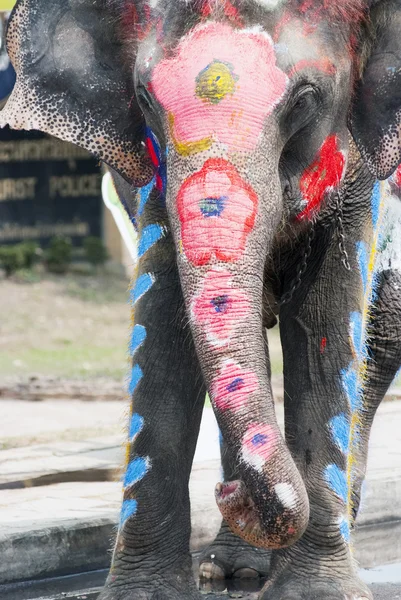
[{"x": 59, "y": 509}]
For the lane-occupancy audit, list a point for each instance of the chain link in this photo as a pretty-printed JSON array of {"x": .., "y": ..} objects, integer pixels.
[
  {"x": 340, "y": 231},
  {"x": 296, "y": 282}
]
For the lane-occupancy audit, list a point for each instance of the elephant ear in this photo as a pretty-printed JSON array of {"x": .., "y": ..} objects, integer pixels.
[
  {"x": 73, "y": 81},
  {"x": 376, "y": 113}
]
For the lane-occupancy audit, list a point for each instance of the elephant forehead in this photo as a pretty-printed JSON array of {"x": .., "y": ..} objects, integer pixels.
[{"x": 220, "y": 84}]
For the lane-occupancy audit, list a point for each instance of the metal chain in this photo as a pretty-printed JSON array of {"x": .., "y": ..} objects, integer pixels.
[
  {"x": 340, "y": 231},
  {"x": 296, "y": 282}
]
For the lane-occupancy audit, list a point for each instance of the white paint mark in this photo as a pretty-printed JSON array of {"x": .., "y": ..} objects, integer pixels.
[
  {"x": 271, "y": 4},
  {"x": 389, "y": 251},
  {"x": 253, "y": 460},
  {"x": 286, "y": 494}
]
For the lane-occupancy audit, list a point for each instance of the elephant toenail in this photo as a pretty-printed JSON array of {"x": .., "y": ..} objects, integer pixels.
[
  {"x": 246, "y": 573},
  {"x": 209, "y": 570}
]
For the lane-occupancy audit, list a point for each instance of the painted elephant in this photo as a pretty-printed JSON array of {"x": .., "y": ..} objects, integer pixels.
[{"x": 260, "y": 134}]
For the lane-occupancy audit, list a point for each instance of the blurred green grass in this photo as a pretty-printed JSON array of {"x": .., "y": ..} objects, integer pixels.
[{"x": 72, "y": 327}]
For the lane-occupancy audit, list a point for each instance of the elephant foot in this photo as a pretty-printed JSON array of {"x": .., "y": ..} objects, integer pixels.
[
  {"x": 229, "y": 556},
  {"x": 149, "y": 592},
  {"x": 305, "y": 578},
  {"x": 138, "y": 583}
]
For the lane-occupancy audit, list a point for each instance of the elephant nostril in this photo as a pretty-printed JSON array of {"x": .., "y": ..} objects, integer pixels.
[{"x": 226, "y": 489}]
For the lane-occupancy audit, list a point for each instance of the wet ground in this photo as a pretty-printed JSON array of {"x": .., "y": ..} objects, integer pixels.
[{"x": 385, "y": 583}]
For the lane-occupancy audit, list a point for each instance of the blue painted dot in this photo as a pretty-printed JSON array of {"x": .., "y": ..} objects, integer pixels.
[
  {"x": 337, "y": 481},
  {"x": 340, "y": 429},
  {"x": 136, "y": 425},
  {"x": 345, "y": 530},
  {"x": 213, "y": 207},
  {"x": 142, "y": 285},
  {"x": 220, "y": 303},
  {"x": 137, "y": 338},
  {"x": 136, "y": 471},
  {"x": 144, "y": 195},
  {"x": 357, "y": 334},
  {"x": 259, "y": 439},
  {"x": 128, "y": 509},
  {"x": 149, "y": 236},
  {"x": 375, "y": 204},
  {"x": 136, "y": 377},
  {"x": 237, "y": 384},
  {"x": 363, "y": 262},
  {"x": 349, "y": 378}
]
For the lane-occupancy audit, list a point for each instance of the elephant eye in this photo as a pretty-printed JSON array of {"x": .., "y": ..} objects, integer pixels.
[
  {"x": 301, "y": 109},
  {"x": 305, "y": 99}
]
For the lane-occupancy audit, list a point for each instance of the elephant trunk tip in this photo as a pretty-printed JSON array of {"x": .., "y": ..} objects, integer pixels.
[{"x": 277, "y": 521}]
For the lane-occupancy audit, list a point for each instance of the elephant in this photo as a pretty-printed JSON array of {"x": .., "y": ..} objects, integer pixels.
[{"x": 255, "y": 145}]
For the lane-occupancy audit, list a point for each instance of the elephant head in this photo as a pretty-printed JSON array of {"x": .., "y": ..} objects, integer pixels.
[{"x": 241, "y": 109}]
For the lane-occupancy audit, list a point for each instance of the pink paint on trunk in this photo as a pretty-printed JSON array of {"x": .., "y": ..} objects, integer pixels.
[
  {"x": 219, "y": 307},
  {"x": 233, "y": 386},
  {"x": 220, "y": 84},
  {"x": 217, "y": 210},
  {"x": 258, "y": 444}
]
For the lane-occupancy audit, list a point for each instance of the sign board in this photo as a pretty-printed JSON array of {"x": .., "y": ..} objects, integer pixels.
[{"x": 47, "y": 188}]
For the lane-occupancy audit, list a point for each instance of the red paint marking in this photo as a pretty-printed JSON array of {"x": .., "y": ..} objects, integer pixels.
[
  {"x": 285, "y": 19},
  {"x": 152, "y": 152},
  {"x": 348, "y": 11},
  {"x": 323, "y": 344},
  {"x": 397, "y": 177},
  {"x": 229, "y": 10},
  {"x": 132, "y": 22},
  {"x": 325, "y": 65},
  {"x": 224, "y": 235},
  {"x": 324, "y": 174}
]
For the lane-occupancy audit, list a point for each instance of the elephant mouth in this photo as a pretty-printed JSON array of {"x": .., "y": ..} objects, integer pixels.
[
  {"x": 239, "y": 511},
  {"x": 242, "y": 516}
]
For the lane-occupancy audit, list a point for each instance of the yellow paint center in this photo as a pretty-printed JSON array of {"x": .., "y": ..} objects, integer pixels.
[{"x": 215, "y": 82}]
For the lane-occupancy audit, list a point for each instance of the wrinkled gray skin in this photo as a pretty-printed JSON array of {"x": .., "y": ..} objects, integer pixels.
[{"x": 80, "y": 87}]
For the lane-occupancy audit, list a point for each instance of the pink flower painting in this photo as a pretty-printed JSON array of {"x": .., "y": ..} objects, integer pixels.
[
  {"x": 220, "y": 85},
  {"x": 219, "y": 307},
  {"x": 258, "y": 444},
  {"x": 233, "y": 386},
  {"x": 217, "y": 210}
]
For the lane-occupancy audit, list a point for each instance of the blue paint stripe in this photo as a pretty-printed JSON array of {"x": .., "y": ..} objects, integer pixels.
[
  {"x": 340, "y": 429},
  {"x": 363, "y": 262},
  {"x": 349, "y": 378},
  {"x": 128, "y": 509},
  {"x": 357, "y": 334},
  {"x": 144, "y": 195},
  {"x": 337, "y": 480},
  {"x": 375, "y": 204},
  {"x": 136, "y": 425},
  {"x": 149, "y": 236},
  {"x": 136, "y": 471},
  {"x": 142, "y": 285},
  {"x": 137, "y": 338},
  {"x": 136, "y": 377},
  {"x": 345, "y": 530}
]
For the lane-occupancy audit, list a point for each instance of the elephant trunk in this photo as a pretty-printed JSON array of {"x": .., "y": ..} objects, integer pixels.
[{"x": 223, "y": 227}]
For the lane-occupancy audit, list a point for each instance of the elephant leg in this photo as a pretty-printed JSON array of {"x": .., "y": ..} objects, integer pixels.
[
  {"x": 384, "y": 342},
  {"x": 229, "y": 555},
  {"x": 322, "y": 331},
  {"x": 151, "y": 558}
]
